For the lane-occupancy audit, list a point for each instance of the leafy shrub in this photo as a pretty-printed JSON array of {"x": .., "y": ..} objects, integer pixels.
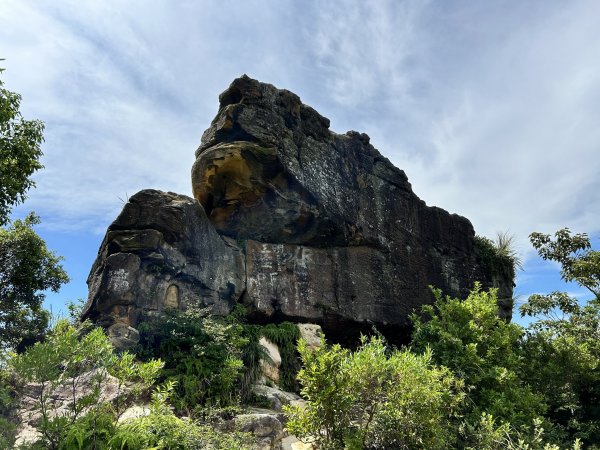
[
  {"x": 161, "y": 429},
  {"x": 375, "y": 397},
  {"x": 202, "y": 356},
  {"x": 7, "y": 404},
  {"x": 484, "y": 351},
  {"x": 78, "y": 360},
  {"x": 486, "y": 434}
]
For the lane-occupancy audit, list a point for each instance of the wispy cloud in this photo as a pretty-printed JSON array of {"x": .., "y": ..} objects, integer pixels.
[
  {"x": 365, "y": 51},
  {"x": 492, "y": 111},
  {"x": 497, "y": 121}
]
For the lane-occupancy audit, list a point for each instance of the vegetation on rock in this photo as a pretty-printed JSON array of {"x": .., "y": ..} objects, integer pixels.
[
  {"x": 285, "y": 335},
  {"x": 79, "y": 389},
  {"x": 498, "y": 256},
  {"x": 215, "y": 362},
  {"x": 201, "y": 354},
  {"x": 73, "y": 366}
]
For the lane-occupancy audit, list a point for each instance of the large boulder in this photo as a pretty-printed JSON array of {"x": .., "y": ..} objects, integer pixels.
[
  {"x": 161, "y": 252},
  {"x": 291, "y": 219}
]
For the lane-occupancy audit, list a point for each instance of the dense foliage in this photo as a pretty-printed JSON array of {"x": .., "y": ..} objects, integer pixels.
[
  {"x": 20, "y": 151},
  {"x": 73, "y": 371},
  {"x": 79, "y": 362},
  {"x": 27, "y": 267},
  {"x": 215, "y": 362},
  {"x": 202, "y": 357},
  {"x": 374, "y": 397},
  {"x": 161, "y": 429},
  {"x": 563, "y": 344},
  {"x": 468, "y": 337},
  {"x": 8, "y": 399},
  {"x": 285, "y": 335}
]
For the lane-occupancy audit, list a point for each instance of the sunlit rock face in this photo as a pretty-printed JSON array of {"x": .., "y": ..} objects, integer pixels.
[{"x": 291, "y": 219}]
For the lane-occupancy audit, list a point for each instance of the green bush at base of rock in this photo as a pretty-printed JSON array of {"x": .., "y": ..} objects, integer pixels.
[{"x": 375, "y": 397}]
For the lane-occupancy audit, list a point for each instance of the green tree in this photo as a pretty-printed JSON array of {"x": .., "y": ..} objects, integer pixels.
[
  {"x": 579, "y": 263},
  {"x": 563, "y": 343},
  {"x": 20, "y": 151},
  {"x": 27, "y": 267},
  {"x": 374, "y": 397},
  {"x": 484, "y": 351}
]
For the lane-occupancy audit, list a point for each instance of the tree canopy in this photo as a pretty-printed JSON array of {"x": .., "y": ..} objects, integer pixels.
[
  {"x": 27, "y": 267},
  {"x": 20, "y": 151}
]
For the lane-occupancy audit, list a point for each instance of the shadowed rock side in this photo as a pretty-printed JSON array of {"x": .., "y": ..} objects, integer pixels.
[
  {"x": 161, "y": 252},
  {"x": 296, "y": 222}
]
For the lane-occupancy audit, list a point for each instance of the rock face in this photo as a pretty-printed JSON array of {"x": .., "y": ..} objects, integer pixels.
[
  {"x": 161, "y": 252},
  {"x": 291, "y": 219}
]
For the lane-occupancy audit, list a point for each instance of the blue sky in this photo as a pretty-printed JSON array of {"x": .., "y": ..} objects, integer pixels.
[{"x": 490, "y": 107}]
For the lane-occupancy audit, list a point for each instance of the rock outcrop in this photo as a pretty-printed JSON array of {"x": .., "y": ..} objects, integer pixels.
[
  {"x": 161, "y": 252},
  {"x": 292, "y": 220}
]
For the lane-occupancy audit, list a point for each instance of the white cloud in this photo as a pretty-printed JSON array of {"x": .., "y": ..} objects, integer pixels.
[{"x": 492, "y": 112}]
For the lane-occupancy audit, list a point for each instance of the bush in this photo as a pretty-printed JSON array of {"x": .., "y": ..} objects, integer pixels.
[
  {"x": 77, "y": 361},
  {"x": 161, "y": 429},
  {"x": 484, "y": 351},
  {"x": 486, "y": 434},
  {"x": 201, "y": 354},
  {"x": 375, "y": 397},
  {"x": 7, "y": 404}
]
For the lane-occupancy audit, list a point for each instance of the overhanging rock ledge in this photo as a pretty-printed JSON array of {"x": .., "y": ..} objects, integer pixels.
[{"x": 292, "y": 220}]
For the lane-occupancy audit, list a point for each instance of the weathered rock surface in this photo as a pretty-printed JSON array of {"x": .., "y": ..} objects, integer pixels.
[
  {"x": 276, "y": 397},
  {"x": 270, "y": 366},
  {"x": 161, "y": 252},
  {"x": 59, "y": 401},
  {"x": 311, "y": 333},
  {"x": 293, "y": 220},
  {"x": 265, "y": 425}
]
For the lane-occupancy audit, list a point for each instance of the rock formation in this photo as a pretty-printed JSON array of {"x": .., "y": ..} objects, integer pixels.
[{"x": 292, "y": 220}]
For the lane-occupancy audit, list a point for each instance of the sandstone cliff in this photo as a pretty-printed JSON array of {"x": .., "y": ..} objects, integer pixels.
[{"x": 292, "y": 220}]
